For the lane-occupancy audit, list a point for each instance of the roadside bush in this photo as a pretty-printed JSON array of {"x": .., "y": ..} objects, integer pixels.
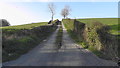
[
  {"x": 92, "y": 36},
  {"x": 109, "y": 42},
  {"x": 100, "y": 41}
]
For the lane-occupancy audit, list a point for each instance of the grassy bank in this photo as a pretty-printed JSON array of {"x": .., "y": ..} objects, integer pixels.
[
  {"x": 95, "y": 36},
  {"x": 17, "y": 40},
  {"x": 18, "y": 28}
]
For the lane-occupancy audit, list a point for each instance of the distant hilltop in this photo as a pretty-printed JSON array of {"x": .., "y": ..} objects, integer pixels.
[{"x": 4, "y": 22}]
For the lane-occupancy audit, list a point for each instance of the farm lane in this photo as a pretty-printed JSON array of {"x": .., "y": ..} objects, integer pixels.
[
  {"x": 69, "y": 55},
  {"x": 41, "y": 55},
  {"x": 72, "y": 54}
]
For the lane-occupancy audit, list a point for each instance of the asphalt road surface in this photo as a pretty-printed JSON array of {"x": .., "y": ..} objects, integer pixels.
[{"x": 70, "y": 54}]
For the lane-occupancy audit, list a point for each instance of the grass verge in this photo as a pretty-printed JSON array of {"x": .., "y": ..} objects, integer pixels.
[{"x": 58, "y": 41}]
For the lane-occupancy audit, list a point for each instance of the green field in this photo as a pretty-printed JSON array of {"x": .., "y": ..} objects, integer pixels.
[
  {"x": 112, "y": 22},
  {"x": 25, "y": 26}
]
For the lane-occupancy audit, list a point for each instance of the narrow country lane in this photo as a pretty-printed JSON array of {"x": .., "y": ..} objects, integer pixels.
[
  {"x": 70, "y": 54},
  {"x": 41, "y": 55}
]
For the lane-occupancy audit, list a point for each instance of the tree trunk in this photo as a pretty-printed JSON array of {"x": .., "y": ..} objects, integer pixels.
[
  {"x": 52, "y": 19},
  {"x": 64, "y": 17}
]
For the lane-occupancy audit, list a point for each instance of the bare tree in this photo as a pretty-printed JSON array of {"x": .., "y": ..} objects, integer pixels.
[
  {"x": 51, "y": 7},
  {"x": 65, "y": 11}
]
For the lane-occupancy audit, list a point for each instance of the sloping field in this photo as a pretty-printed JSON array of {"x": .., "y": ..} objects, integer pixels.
[
  {"x": 112, "y": 22},
  {"x": 25, "y": 26}
]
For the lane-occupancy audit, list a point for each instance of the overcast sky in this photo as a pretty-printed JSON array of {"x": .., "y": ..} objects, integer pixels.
[{"x": 19, "y": 12}]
